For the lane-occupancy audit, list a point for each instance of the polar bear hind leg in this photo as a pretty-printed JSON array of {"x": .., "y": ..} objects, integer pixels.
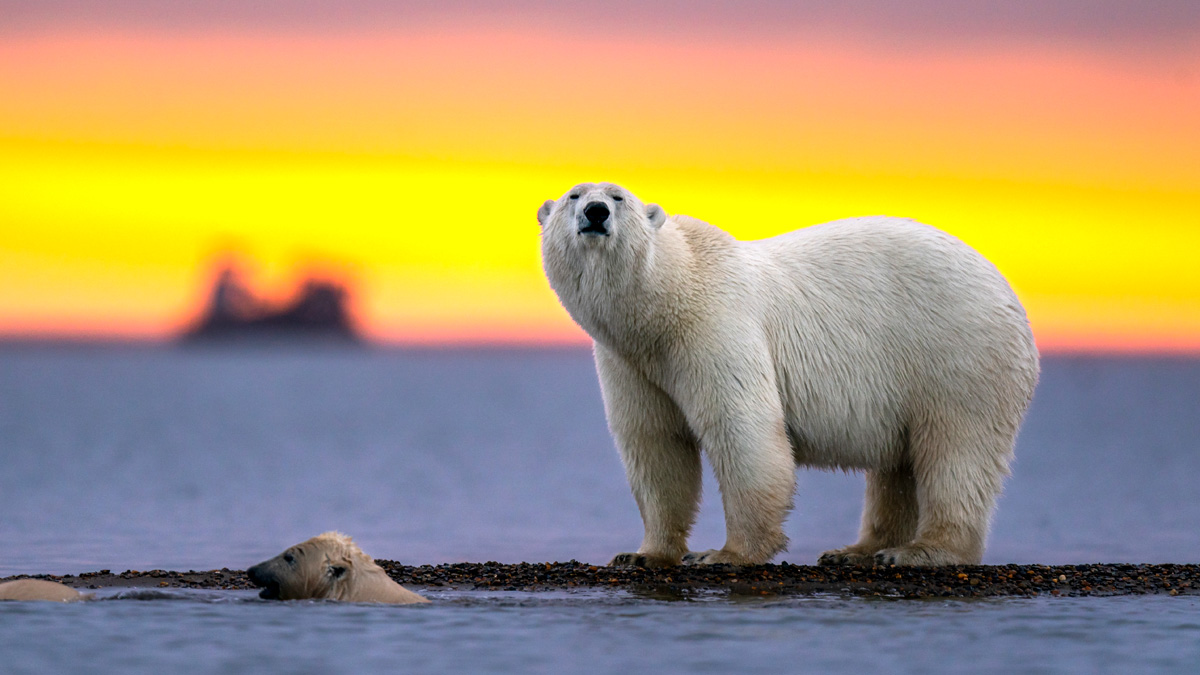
[
  {"x": 958, "y": 471},
  {"x": 889, "y": 518}
]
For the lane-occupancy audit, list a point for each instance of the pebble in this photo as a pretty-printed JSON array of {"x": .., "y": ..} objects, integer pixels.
[
  {"x": 789, "y": 579},
  {"x": 784, "y": 579}
]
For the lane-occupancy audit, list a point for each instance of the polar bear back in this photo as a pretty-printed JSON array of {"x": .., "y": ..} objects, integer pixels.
[{"x": 878, "y": 323}]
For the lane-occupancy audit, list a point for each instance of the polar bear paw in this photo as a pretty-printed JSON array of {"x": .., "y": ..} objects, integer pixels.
[
  {"x": 648, "y": 560},
  {"x": 848, "y": 555},
  {"x": 917, "y": 555},
  {"x": 716, "y": 556}
]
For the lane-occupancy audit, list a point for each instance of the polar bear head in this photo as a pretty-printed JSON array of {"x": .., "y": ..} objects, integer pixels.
[
  {"x": 329, "y": 566},
  {"x": 594, "y": 215},
  {"x": 595, "y": 239}
]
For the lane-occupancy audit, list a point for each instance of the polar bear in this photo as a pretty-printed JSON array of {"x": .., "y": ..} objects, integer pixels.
[
  {"x": 40, "y": 589},
  {"x": 876, "y": 344},
  {"x": 329, "y": 566}
]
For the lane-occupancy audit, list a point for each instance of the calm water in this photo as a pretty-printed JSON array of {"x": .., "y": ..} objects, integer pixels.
[
  {"x": 159, "y": 458},
  {"x": 602, "y": 633}
]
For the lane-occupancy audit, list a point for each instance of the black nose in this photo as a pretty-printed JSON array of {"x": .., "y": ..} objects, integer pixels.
[
  {"x": 253, "y": 574},
  {"x": 596, "y": 213}
]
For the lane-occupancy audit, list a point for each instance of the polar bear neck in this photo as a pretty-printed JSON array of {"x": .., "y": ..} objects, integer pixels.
[
  {"x": 368, "y": 582},
  {"x": 637, "y": 297}
]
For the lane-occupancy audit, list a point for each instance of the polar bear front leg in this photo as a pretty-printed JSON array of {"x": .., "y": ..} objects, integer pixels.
[
  {"x": 661, "y": 458},
  {"x": 743, "y": 434},
  {"x": 757, "y": 478}
]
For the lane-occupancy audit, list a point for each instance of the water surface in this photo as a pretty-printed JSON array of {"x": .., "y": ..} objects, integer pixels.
[
  {"x": 601, "y": 632},
  {"x": 145, "y": 458}
]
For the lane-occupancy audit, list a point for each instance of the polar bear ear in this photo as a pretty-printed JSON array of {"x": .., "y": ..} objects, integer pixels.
[
  {"x": 544, "y": 212},
  {"x": 655, "y": 215}
]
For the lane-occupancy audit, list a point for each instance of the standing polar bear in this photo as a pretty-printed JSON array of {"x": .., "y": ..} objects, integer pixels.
[{"x": 875, "y": 344}]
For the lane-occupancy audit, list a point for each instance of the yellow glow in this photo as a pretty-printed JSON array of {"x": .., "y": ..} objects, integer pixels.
[
  {"x": 413, "y": 164},
  {"x": 426, "y": 252},
  {"x": 450, "y": 251}
]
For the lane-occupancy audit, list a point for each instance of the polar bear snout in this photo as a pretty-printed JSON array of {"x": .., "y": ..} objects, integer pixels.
[
  {"x": 596, "y": 212},
  {"x": 262, "y": 577},
  {"x": 595, "y": 219}
]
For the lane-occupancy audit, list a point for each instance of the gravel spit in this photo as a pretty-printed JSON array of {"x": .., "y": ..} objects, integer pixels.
[{"x": 969, "y": 581}]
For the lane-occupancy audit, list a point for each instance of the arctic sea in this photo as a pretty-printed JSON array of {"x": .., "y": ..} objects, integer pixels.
[{"x": 144, "y": 457}]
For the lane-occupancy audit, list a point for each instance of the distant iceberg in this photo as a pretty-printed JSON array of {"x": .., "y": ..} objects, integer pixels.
[{"x": 319, "y": 311}]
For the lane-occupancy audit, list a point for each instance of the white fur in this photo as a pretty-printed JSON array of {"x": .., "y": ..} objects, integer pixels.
[
  {"x": 877, "y": 344},
  {"x": 330, "y": 566}
]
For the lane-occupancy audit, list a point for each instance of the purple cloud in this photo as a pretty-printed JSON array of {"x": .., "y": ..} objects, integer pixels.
[{"x": 1096, "y": 24}]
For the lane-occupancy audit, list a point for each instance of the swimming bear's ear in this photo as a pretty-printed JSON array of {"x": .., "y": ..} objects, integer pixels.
[
  {"x": 655, "y": 215},
  {"x": 544, "y": 212}
]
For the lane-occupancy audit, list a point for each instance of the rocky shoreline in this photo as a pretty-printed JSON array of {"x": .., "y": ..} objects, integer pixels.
[{"x": 759, "y": 580}]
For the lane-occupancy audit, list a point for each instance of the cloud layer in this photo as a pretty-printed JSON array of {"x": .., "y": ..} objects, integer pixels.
[{"x": 1096, "y": 24}]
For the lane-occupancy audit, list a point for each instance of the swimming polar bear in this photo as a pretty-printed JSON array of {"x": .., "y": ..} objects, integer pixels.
[
  {"x": 329, "y": 566},
  {"x": 40, "y": 589},
  {"x": 876, "y": 344}
]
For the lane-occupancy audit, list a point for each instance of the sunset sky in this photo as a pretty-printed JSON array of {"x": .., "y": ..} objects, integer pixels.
[{"x": 406, "y": 146}]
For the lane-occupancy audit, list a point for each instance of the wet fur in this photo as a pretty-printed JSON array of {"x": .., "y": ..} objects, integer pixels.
[
  {"x": 329, "y": 566},
  {"x": 41, "y": 590}
]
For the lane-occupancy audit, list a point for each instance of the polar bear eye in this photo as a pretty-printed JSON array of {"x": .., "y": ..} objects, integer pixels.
[
  {"x": 288, "y": 558},
  {"x": 618, "y": 198},
  {"x": 574, "y": 196},
  {"x": 336, "y": 572}
]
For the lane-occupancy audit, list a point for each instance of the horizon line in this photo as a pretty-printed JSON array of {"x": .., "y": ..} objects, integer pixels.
[{"x": 466, "y": 343}]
